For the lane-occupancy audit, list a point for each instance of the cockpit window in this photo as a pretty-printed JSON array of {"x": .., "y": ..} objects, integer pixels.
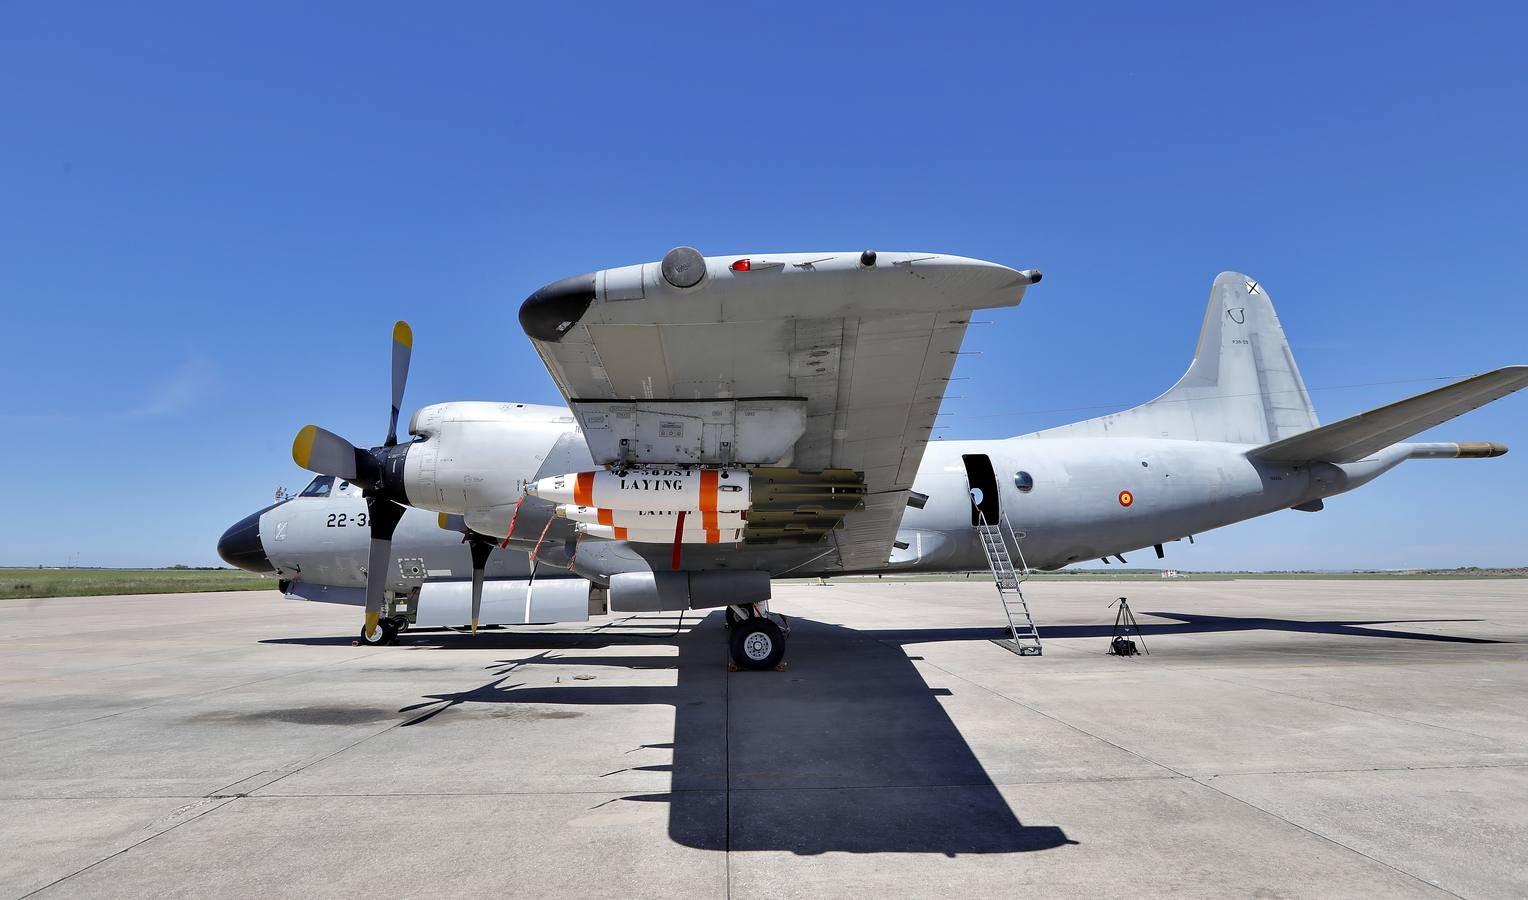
[
  {"x": 318, "y": 487},
  {"x": 1023, "y": 482}
]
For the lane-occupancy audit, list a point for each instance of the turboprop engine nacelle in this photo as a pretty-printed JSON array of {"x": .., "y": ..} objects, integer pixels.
[
  {"x": 706, "y": 490},
  {"x": 464, "y": 457}
]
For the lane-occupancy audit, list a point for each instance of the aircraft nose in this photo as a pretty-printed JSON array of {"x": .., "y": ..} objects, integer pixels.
[{"x": 240, "y": 546}]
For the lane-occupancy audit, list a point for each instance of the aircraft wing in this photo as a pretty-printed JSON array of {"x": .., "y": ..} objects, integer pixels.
[
  {"x": 1356, "y": 437},
  {"x": 811, "y": 361}
]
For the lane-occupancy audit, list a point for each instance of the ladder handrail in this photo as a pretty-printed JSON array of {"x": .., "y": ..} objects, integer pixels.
[{"x": 1003, "y": 521}]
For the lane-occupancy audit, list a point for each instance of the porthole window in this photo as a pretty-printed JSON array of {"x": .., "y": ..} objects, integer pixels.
[{"x": 1023, "y": 482}]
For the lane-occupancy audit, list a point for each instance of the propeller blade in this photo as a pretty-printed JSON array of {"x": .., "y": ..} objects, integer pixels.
[
  {"x": 382, "y": 516},
  {"x": 452, "y": 522},
  {"x": 324, "y": 452},
  {"x": 480, "y": 552},
  {"x": 403, "y": 347}
]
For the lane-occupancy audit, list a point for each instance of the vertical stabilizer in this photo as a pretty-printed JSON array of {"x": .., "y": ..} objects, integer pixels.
[{"x": 1242, "y": 387}]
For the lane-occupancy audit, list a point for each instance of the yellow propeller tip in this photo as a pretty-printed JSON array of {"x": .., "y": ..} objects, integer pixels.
[
  {"x": 474, "y": 626},
  {"x": 403, "y": 334},
  {"x": 441, "y": 521},
  {"x": 371, "y": 623},
  {"x": 302, "y": 445}
]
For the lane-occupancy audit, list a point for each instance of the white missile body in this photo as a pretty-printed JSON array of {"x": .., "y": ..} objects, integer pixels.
[
  {"x": 650, "y": 519},
  {"x": 659, "y": 535},
  {"x": 706, "y": 490}
]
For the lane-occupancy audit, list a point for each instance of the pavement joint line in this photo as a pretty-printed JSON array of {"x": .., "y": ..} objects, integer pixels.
[
  {"x": 726, "y": 777},
  {"x": 583, "y": 639},
  {"x": 1462, "y": 767},
  {"x": 119, "y": 629},
  {"x": 1331, "y": 840},
  {"x": 228, "y": 800},
  {"x": 1107, "y": 779},
  {"x": 1014, "y": 700},
  {"x": 210, "y": 808},
  {"x": 208, "y": 693},
  {"x": 1200, "y": 780},
  {"x": 179, "y": 698},
  {"x": 1356, "y": 709}
]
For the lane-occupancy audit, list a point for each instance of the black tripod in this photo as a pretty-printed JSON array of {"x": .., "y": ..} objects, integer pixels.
[{"x": 1120, "y": 643}]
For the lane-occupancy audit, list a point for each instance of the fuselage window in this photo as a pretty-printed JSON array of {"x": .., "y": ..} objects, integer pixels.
[
  {"x": 318, "y": 487},
  {"x": 1023, "y": 482}
]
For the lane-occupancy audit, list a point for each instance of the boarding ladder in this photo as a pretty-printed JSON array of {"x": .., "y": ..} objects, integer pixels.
[{"x": 1021, "y": 625}]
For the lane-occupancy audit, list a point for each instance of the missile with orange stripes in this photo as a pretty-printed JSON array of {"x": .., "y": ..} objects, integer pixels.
[
  {"x": 668, "y": 490},
  {"x": 660, "y": 535},
  {"x": 650, "y": 519}
]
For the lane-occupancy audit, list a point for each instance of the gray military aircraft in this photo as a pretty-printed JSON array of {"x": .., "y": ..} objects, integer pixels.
[{"x": 732, "y": 420}]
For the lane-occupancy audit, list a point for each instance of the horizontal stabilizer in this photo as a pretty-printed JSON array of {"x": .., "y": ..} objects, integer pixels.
[{"x": 1354, "y": 438}]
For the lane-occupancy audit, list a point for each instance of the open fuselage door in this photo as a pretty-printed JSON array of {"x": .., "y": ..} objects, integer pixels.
[{"x": 981, "y": 484}]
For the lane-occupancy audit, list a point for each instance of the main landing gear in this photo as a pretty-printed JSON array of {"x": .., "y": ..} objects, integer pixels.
[{"x": 756, "y": 641}]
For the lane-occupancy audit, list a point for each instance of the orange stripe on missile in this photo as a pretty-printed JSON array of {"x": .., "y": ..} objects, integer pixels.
[
  {"x": 583, "y": 489},
  {"x": 708, "y": 491},
  {"x": 605, "y": 517},
  {"x": 620, "y": 533}
]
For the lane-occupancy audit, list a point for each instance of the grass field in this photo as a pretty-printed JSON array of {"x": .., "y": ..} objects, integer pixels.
[
  {"x": 28, "y": 583},
  {"x": 24, "y": 583}
]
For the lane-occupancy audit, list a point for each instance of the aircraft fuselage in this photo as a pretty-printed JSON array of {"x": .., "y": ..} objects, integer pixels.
[{"x": 1082, "y": 498}]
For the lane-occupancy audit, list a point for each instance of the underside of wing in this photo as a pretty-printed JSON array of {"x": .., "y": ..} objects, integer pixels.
[{"x": 821, "y": 371}]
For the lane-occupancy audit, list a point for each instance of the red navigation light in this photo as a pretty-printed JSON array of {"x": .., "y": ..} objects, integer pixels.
[{"x": 741, "y": 265}]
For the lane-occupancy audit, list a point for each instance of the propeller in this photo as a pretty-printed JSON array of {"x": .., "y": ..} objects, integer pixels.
[
  {"x": 480, "y": 548},
  {"x": 379, "y": 473}
]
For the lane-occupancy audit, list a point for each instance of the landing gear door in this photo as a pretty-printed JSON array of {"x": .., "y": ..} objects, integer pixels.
[{"x": 982, "y": 483}]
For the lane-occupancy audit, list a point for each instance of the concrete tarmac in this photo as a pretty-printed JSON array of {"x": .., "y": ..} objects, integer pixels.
[{"x": 1284, "y": 738}]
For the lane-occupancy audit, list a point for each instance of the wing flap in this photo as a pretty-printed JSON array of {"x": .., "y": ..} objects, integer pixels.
[{"x": 1359, "y": 436}]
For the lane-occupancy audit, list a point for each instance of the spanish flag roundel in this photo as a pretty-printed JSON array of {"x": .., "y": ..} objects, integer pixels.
[{"x": 1126, "y": 498}]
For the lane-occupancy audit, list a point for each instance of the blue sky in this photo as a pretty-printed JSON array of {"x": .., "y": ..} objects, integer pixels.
[{"x": 210, "y": 215}]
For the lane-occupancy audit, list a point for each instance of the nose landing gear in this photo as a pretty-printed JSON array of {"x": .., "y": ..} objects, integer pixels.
[
  {"x": 386, "y": 634},
  {"x": 756, "y": 642}
]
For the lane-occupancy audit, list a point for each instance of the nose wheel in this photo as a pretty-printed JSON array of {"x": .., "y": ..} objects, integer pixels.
[
  {"x": 756, "y": 642},
  {"x": 387, "y": 633}
]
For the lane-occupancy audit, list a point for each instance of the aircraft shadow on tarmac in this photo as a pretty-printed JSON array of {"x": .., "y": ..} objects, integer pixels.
[
  {"x": 849, "y": 749},
  {"x": 1195, "y": 623},
  {"x": 1188, "y": 623}
]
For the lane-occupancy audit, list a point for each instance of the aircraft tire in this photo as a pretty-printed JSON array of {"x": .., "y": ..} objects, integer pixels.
[
  {"x": 387, "y": 634},
  {"x": 757, "y": 644}
]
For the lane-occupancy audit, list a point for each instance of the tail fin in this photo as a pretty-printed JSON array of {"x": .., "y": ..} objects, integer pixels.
[{"x": 1242, "y": 387}]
